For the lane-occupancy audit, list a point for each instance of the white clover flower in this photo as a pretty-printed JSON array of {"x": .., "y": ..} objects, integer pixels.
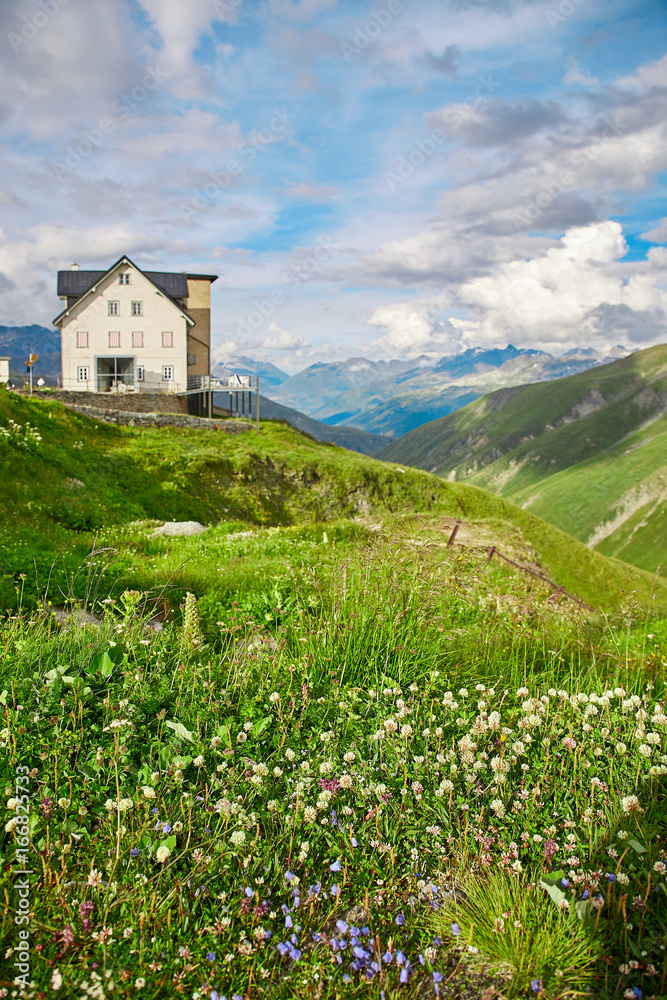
[
  {"x": 621, "y": 748},
  {"x": 12, "y": 804},
  {"x": 278, "y": 772},
  {"x": 349, "y": 757},
  {"x": 406, "y": 731},
  {"x": 198, "y": 761},
  {"x": 272, "y": 805},
  {"x": 309, "y": 814},
  {"x": 178, "y": 826},
  {"x": 148, "y": 792},
  {"x": 216, "y": 741},
  {"x": 630, "y": 804},
  {"x": 622, "y": 878},
  {"x": 64, "y": 803},
  {"x": 162, "y": 853},
  {"x": 345, "y": 781},
  {"x": 274, "y": 697},
  {"x": 653, "y": 738},
  {"x": 242, "y": 737},
  {"x": 125, "y": 804},
  {"x": 11, "y": 825},
  {"x": 109, "y": 805},
  {"x": 498, "y": 808},
  {"x": 644, "y": 749},
  {"x": 237, "y": 838},
  {"x": 289, "y": 754},
  {"x": 523, "y": 692}
]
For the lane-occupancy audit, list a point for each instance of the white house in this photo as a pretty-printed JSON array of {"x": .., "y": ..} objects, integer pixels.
[{"x": 127, "y": 330}]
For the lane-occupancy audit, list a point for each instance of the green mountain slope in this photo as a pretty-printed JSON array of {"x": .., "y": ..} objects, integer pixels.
[
  {"x": 84, "y": 476},
  {"x": 587, "y": 452}
]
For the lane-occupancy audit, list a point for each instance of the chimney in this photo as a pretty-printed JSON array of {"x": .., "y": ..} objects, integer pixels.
[{"x": 75, "y": 267}]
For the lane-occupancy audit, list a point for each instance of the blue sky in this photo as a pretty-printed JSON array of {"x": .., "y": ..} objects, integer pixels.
[{"x": 386, "y": 179}]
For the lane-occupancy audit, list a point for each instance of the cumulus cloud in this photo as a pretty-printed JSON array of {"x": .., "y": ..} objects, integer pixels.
[
  {"x": 278, "y": 339},
  {"x": 577, "y": 292},
  {"x": 658, "y": 234},
  {"x": 412, "y": 327}
]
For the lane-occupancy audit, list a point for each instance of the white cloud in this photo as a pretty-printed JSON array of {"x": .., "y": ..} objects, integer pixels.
[
  {"x": 658, "y": 234},
  {"x": 576, "y": 292},
  {"x": 574, "y": 74},
  {"x": 648, "y": 76},
  {"x": 412, "y": 326},
  {"x": 278, "y": 339}
]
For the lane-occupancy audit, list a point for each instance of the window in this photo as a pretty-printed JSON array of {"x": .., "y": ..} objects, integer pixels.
[
  {"x": 137, "y": 308},
  {"x": 82, "y": 373},
  {"x": 82, "y": 338},
  {"x": 167, "y": 373},
  {"x": 138, "y": 338},
  {"x": 140, "y": 373},
  {"x": 114, "y": 338},
  {"x": 114, "y": 308},
  {"x": 192, "y": 359},
  {"x": 167, "y": 338},
  {"x": 124, "y": 279}
]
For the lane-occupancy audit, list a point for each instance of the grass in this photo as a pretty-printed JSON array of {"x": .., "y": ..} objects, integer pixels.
[
  {"x": 67, "y": 492},
  {"x": 344, "y": 741},
  {"x": 255, "y": 808}
]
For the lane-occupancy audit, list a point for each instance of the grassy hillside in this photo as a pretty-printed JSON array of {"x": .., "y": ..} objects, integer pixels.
[
  {"x": 84, "y": 477},
  {"x": 587, "y": 452}
]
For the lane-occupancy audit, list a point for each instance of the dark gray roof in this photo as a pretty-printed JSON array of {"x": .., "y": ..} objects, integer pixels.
[{"x": 77, "y": 283}]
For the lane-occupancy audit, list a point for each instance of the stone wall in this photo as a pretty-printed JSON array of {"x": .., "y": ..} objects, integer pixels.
[{"x": 134, "y": 418}]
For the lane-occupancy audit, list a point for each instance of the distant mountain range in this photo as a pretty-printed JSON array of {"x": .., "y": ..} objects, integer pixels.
[
  {"x": 381, "y": 398},
  {"x": 17, "y": 342},
  {"x": 587, "y": 453},
  {"x": 393, "y": 397}
]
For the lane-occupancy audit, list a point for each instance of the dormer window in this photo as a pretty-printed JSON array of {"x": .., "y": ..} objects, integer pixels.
[
  {"x": 124, "y": 279},
  {"x": 114, "y": 308}
]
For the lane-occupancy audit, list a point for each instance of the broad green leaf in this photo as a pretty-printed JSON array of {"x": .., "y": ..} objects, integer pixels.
[
  {"x": 637, "y": 847},
  {"x": 180, "y": 730},
  {"x": 3, "y": 697},
  {"x": 89, "y": 771},
  {"x": 169, "y": 842},
  {"x": 583, "y": 908},
  {"x": 552, "y": 878},
  {"x": 262, "y": 725},
  {"x": 554, "y": 892}
]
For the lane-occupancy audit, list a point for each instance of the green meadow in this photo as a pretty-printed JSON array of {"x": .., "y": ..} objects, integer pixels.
[{"x": 316, "y": 750}]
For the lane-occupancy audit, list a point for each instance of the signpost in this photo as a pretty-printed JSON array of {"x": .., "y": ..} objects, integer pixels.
[{"x": 30, "y": 362}]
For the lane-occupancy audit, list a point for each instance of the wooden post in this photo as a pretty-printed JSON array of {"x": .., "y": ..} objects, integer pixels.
[{"x": 453, "y": 534}]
